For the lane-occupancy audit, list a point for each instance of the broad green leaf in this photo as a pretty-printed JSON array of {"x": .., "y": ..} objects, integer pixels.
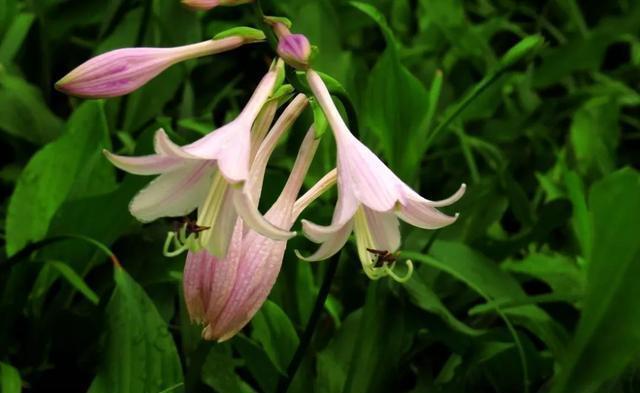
[
  {"x": 380, "y": 344},
  {"x": 424, "y": 297},
  {"x": 594, "y": 135},
  {"x": 140, "y": 354},
  {"x": 257, "y": 362},
  {"x": 396, "y": 103},
  {"x": 334, "y": 360},
  {"x": 10, "y": 381},
  {"x": 486, "y": 278},
  {"x": 379, "y": 18},
  {"x": 23, "y": 113},
  {"x": 14, "y": 37},
  {"x": 8, "y": 11},
  {"x": 50, "y": 175},
  {"x": 275, "y": 332},
  {"x": 218, "y": 371},
  {"x": 562, "y": 274},
  {"x": 607, "y": 339}
]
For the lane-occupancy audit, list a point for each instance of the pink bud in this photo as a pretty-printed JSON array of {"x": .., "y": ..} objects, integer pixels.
[
  {"x": 295, "y": 50},
  {"x": 122, "y": 71},
  {"x": 209, "y": 4}
]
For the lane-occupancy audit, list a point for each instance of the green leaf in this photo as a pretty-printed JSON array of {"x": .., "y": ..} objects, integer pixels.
[
  {"x": 607, "y": 339},
  {"x": 580, "y": 220},
  {"x": 10, "y": 381},
  {"x": 523, "y": 49},
  {"x": 333, "y": 361},
  {"x": 23, "y": 112},
  {"x": 594, "y": 135},
  {"x": 396, "y": 104},
  {"x": 140, "y": 354},
  {"x": 242, "y": 31},
  {"x": 218, "y": 371},
  {"x": 15, "y": 36},
  {"x": 275, "y": 332},
  {"x": 75, "y": 280},
  {"x": 257, "y": 362},
  {"x": 379, "y": 18},
  {"x": 49, "y": 177},
  {"x": 486, "y": 278},
  {"x": 423, "y": 296},
  {"x": 380, "y": 343},
  {"x": 562, "y": 274}
]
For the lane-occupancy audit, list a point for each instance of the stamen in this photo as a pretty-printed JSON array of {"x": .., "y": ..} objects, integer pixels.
[
  {"x": 181, "y": 242},
  {"x": 400, "y": 279}
]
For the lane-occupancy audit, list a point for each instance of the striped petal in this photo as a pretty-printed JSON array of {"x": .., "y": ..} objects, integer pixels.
[
  {"x": 173, "y": 194},
  {"x": 145, "y": 165}
]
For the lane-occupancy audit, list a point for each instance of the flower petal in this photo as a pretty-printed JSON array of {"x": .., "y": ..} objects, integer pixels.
[
  {"x": 362, "y": 172},
  {"x": 165, "y": 146},
  {"x": 248, "y": 210},
  {"x": 384, "y": 229},
  {"x": 216, "y": 240},
  {"x": 224, "y": 275},
  {"x": 414, "y": 197},
  {"x": 331, "y": 244},
  {"x": 197, "y": 269},
  {"x": 343, "y": 213},
  {"x": 173, "y": 194},
  {"x": 144, "y": 165},
  {"x": 425, "y": 217}
]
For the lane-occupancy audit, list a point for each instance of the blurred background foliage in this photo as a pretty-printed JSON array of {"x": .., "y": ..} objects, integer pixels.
[{"x": 534, "y": 289}]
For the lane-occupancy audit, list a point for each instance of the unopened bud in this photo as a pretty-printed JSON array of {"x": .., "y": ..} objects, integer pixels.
[
  {"x": 122, "y": 71},
  {"x": 295, "y": 49}
]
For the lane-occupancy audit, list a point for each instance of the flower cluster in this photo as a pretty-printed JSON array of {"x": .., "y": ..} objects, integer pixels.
[{"x": 234, "y": 252}]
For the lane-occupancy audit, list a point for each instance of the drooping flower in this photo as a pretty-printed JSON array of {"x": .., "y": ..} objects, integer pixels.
[
  {"x": 209, "y": 4},
  {"x": 207, "y": 174},
  {"x": 371, "y": 198},
  {"x": 121, "y": 71},
  {"x": 225, "y": 293}
]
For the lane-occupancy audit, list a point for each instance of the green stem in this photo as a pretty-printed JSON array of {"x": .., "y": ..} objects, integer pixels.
[
  {"x": 56, "y": 239},
  {"x": 307, "y": 335}
]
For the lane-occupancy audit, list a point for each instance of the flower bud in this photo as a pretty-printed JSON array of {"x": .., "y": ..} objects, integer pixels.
[
  {"x": 295, "y": 49},
  {"x": 122, "y": 71},
  {"x": 209, "y": 4}
]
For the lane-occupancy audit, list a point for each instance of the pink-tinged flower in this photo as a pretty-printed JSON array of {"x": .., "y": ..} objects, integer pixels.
[
  {"x": 209, "y": 4},
  {"x": 207, "y": 174},
  {"x": 295, "y": 49},
  {"x": 370, "y": 199},
  {"x": 225, "y": 293},
  {"x": 122, "y": 71}
]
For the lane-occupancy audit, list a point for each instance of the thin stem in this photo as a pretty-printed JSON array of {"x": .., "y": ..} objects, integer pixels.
[{"x": 307, "y": 335}]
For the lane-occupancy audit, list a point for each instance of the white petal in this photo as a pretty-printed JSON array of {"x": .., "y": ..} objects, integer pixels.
[
  {"x": 331, "y": 245},
  {"x": 248, "y": 210},
  {"x": 163, "y": 145},
  {"x": 384, "y": 229},
  {"x": 144, "y": 165},
  {"x": 173, "y": 194},
  {"x": 412, "y": 196},
  {"x": 425, "y": 217},
  {"x": 343, "y": 213},
  {"x": 365, "y": 175}
]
